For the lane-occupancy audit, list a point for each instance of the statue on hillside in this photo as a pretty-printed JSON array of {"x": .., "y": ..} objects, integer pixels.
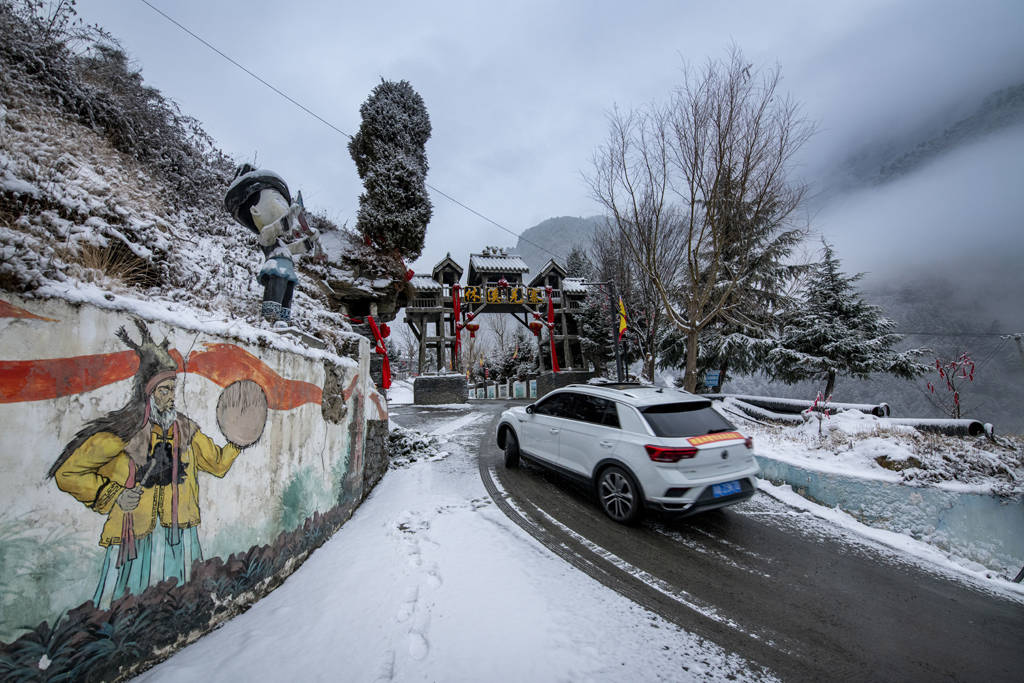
[{"x": 259, "y": 199}]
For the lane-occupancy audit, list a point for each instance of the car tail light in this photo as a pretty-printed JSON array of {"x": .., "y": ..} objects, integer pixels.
[
  {"x": 661, "y": 454},
  {"x": 749, "y": 442}
]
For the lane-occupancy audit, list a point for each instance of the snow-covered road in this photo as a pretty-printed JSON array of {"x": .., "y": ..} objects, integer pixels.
[{"x": 429, "y": 581}]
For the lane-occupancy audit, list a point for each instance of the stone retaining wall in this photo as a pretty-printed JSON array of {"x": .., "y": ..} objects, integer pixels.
[{"x": 430, "y": 390}]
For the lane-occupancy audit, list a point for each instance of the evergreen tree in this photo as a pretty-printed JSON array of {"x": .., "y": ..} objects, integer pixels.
[
  {"x": 834, "y": 331},
  {"x": 755, "y": 250},
  {"x": 517, "y": 358},
  {"x": 595, "y": 326},
  {"x": 390, "y": 155},
  {"x": 578, "y": 264}
]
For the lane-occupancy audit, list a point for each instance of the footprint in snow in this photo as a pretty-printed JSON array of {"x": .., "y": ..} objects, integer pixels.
[
  {"x": 419, "y": 648},
  {"x": 386, "y": 670},
  {"x": 407, "y": 608}
]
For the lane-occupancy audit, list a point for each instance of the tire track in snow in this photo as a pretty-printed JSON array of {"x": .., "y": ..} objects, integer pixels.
[
  {"x": 458, "y": 423},
  {"x": 618, "y": 575}
]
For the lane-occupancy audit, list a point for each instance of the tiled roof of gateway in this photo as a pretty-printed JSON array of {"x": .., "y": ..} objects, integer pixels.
[
  {"x": 425, "y": 283},
  {"x": 497, "y": 264},
  {"x": 574, "y": 285}
]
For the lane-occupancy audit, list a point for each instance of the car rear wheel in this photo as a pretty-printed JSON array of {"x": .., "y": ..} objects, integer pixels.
[
  {"x": 511, "y": 450},
  {"x": 619, "y": 495}
]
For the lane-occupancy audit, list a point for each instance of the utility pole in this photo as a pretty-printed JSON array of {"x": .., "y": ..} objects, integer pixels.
[
  {"x": 620, "y": 368},
  {"x": 1017, "y": 337}
]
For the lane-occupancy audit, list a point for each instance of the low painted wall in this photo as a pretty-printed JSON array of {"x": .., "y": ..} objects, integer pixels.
[
  {"x": 984, "y": 528},
  {"x": 122, "y": 539}
]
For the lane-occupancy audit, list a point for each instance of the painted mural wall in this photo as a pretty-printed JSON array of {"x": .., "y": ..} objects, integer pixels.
[{"x": 155, "y": 481}]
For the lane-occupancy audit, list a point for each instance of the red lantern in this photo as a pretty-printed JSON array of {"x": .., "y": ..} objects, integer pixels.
[
  {"x": 472, "y": 327},
  {"x": 535, "y": 326}
]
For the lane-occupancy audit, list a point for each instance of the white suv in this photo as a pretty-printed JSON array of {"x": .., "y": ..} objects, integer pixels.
[{"x": 636, "y": 446}]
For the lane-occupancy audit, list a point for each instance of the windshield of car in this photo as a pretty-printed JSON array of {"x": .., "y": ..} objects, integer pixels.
[{"x": 685, "y": 419}]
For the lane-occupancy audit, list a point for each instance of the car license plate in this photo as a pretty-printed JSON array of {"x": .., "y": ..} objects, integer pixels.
[{"x": 725, "y": 489}]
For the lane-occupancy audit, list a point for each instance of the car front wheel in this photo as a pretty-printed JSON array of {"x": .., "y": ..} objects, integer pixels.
[
  {"x": 619, "y": 495},
  {"x": 511, "y": 450}
]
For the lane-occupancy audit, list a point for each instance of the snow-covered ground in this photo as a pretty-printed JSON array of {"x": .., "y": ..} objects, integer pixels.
[
  {"x": 862, "y": 445},
  {"x": 400, "y": 393},
  {"x": 429, "y": 581}
]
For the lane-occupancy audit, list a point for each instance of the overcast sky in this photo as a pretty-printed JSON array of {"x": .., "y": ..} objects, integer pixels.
[{"x": 518, "y": 92}]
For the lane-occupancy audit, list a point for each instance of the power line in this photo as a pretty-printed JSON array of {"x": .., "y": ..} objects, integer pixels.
[
  {"x": 954, "y": 334},
  {"x": 331, "y": 125},
  {"x": 992, "y": 354},
  {"x": 279, "y": 92}
]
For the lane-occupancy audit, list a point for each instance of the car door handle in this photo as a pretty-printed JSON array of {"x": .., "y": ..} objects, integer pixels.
[
  {"x": 607, "y": 444},
  {"x": 554, "y": 430}
]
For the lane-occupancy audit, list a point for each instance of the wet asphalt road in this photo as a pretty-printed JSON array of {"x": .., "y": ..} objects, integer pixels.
[{"x": 802, "y": 598}]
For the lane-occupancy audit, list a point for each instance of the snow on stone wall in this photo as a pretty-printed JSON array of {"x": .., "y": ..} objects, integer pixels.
[{"x": 246, "y": 519}]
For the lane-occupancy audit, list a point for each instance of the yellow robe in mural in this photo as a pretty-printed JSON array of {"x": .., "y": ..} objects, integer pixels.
[{"x": 97, "y": 471}]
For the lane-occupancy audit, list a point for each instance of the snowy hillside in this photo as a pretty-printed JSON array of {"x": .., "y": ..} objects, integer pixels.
[{"x": 104, "y": 182}]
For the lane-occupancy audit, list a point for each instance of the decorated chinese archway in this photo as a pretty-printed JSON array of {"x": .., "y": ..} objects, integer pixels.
[{"x": 444, "y": 307}]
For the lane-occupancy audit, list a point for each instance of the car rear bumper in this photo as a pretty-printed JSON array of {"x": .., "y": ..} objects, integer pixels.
[{"x": 694, "y": 502}]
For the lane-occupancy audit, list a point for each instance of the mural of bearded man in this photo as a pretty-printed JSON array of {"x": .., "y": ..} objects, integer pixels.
[{"x": 139, "y": 466}]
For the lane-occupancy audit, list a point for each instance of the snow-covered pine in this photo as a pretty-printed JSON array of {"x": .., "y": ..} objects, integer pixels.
[
  {"x": 596, "y": 325},
  {"x": 390, "y": 155},
  {"x": 755, "y": 250},
  {"x": 516, "y": 359},
  {"x": 578, "y": 264},
  {"x": 835, "y": 331}
]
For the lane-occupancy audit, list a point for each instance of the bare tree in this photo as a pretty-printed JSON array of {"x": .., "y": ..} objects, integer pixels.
[
  {"x": 406, "y": 344},
  {"x": 645, "y": 314},
  {"x": 663, "y": 175},
  {"x": 500, "y": 327}
]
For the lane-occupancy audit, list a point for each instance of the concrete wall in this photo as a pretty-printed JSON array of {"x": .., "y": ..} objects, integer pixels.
[
  {"x": 245, "y": 519},
  {"x": 549, "y": 381},
  {"x": 984, "y": 528},
  {"x": 430, "y": 390}
]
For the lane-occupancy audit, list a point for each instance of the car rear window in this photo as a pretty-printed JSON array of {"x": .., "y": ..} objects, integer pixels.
[{"x": 685, "y": 419}]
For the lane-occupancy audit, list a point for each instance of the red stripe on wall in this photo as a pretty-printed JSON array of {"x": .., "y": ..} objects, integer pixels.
[
  {"x": 9, "y": 311},
  {"x": 227, "y": 363},
  {"x": 50, "y": 378},
  {"x": 37, "y": 380}
]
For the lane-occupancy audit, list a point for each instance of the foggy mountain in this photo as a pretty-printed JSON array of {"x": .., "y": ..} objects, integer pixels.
[
  {"x": 885, "y": 159},
  {"x": 555, "y": 236}
]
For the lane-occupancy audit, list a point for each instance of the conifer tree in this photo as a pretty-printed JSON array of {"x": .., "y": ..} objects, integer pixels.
[
  {"x": 756, "y": 254},
  {"x": 834, "y": 331},
  {"x": 577, "y": 263},
  {"x": 390, "y": 155}
]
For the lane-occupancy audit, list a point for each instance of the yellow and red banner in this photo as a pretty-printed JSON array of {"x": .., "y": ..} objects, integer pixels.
[
  {"x": 712, "y": 438},
  {"x": 622, "y": 318}
]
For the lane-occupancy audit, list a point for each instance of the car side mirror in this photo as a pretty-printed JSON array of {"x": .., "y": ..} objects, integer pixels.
[{"x": 529, "y": 409}]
